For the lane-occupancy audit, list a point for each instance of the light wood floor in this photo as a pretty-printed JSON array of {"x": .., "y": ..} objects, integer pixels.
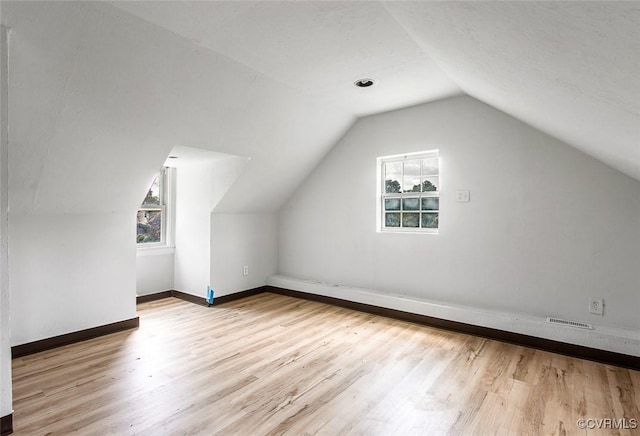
[{"x": 271, "y": 364}]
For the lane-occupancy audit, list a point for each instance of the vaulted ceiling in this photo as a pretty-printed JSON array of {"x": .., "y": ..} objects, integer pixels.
[
  {"x": 104, "y": 89},
  {"x": 318, "y": 48},
  {"x": 571, "y": 69}
]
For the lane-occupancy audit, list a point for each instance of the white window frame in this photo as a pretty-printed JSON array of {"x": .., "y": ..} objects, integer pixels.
[
  {"x": 166, "y": 194},
  {"x": 381, "y": 195}
]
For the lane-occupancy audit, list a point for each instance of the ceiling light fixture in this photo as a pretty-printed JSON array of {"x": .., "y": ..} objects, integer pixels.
[{"x": 364, "y": 83}]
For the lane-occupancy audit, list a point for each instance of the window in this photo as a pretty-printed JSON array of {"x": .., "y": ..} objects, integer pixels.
[
  {"x": 409, "y": 192},
  {"x": 152, "y": 214}
]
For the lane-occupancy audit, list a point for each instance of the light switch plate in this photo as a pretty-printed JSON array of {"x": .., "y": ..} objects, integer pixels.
[{"x": 462, "y": 196}]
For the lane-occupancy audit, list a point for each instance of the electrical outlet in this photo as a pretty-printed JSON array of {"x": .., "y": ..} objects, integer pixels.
[
  {"x": 462, "y": 196},
  {"x": 596, "y": 306},
  {"x": 245, "y": 270}
]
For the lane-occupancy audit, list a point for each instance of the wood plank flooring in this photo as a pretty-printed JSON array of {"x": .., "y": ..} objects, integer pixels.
[{"x": 271, "y": 364}]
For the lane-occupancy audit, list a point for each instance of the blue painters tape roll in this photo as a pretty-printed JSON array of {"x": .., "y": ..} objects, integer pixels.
[{"x": 210, "y": 295}]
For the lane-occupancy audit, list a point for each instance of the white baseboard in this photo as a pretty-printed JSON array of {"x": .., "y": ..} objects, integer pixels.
[{"x": 607, "y": 338}]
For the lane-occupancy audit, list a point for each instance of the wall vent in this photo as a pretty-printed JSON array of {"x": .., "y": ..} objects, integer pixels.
[{"x": 566, "y": 323}]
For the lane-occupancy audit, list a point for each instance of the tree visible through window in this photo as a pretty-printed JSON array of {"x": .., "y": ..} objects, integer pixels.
[
  {"x": 151, "y": 215},
  {"x": 410, "y": 196}
]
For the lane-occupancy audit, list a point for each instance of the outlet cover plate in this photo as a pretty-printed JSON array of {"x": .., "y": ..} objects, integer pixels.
[
  {"x": 462, "y": 195},
  {"x": 596, "y": 306}
]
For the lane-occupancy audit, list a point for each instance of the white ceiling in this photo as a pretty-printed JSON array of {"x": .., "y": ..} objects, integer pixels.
[
  {"x": 181, "y": 156},
  {"x": 318, "y": 48},
  {"x": 99, "y": 92},
  {"x": 571, "y": 69},
  {"x": 98, "y": 95}
]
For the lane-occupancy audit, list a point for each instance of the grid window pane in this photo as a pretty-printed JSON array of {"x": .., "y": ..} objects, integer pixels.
[
  {"x": 149, "y": 228},
  {"x": 411, "y": 191},
  {"x": 410, "y": 219},
  {"x": 430, "y": 203},
  {"x": 410, "y": 204},
  {"x": 392, "y": 177},
  {"x": 430, "y": 220},
  {"x": 430, "y": 166},
  {"x": 153, "y": 195},
  {"x": 392, "y": 204},
  {"x": 411, "y": 181},
  {"x": 392, "y": 219},
  {"x": 430, "y": 184}
]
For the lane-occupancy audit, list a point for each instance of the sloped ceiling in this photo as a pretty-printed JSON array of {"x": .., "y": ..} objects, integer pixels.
[
  {"x": 99, "y": 92},
  {"x": 99, "y": 98},
  {"x": 319, "y": 48},
  {"x": 571, "y": 69}
]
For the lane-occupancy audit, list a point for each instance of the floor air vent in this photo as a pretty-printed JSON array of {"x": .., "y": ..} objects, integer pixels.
[{"x": 566, "y": 323}]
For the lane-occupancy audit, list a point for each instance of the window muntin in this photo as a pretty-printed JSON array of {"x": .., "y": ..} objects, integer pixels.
[
  {"x": 409, "y": 197},
  {"x": 152, "y": 214}
]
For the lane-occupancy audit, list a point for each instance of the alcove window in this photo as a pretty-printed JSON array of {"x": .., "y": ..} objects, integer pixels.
[{"x": 151, "y": 228}]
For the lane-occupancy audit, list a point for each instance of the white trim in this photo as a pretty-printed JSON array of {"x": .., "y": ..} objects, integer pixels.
[
  {"x": 170, "y": 205},
  {"x": 409, "y": 230},
  {"x": 381, "y": 195},
  {"x": 166, "y": 207},
  {"x": 154, "y": 249},
  {"x": 403, "y": 156},
  {"x": 616, "y": 339}
]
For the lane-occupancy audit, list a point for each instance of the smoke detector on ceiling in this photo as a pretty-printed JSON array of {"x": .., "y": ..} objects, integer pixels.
[{"x": 364, "y": 83}]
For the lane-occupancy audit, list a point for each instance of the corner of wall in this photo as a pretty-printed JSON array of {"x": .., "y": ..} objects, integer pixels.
[
  {"x": 243, "y": 240},
  {"x": 5, "y": 313}
]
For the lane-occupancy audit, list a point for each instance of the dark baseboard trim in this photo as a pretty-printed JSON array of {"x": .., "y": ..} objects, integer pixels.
[
  {"x": 71, "y": 338},
  {"x": 6, "y": 425},
  {"x": 239, "y": 295},
  {"x": 594, "y": 354},
  {"x": 172, "y": 293},
  {"x": 201, "y": 301},
  {"x": 153, "y": 297}
]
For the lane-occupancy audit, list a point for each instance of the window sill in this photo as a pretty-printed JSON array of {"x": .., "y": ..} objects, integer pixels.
[
  {"x": 409, "y": 232},
  {"x": 155, "y": 250}
]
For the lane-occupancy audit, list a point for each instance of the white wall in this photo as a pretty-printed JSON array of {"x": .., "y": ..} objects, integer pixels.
[
  {"x": 70, "y": 272},
  {"x": 154, "y": 270},
  {"x": 211, "y": 248},
  {"x": 5, "y": 324},
  {"x": 199, "y": 188},
  {"x": 98, "y": 98},
  {"x": 547, "y": 227},
  {"x": 82, "y": 149},
  {"x": 191, "y": 270},
  {"x": 239, "y": 240}
]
